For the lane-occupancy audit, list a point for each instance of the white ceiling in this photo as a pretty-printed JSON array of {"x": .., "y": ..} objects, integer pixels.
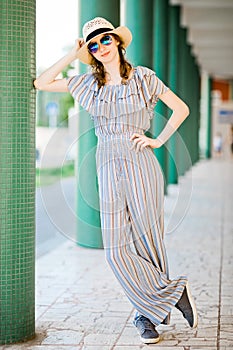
[{"x": 210, "y": 32}]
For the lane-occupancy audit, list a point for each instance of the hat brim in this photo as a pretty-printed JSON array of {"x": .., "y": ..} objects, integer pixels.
[{"x": 123, "y": 32}]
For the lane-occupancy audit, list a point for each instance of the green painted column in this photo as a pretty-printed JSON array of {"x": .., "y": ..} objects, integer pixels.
[
  {"x": 189, "y": 98},
  {"x": 196, "y": 97},
  {"x": 198, "y": 107},
  {"x": 88, "y": 218},
  {"x": 173, "y": 64},
  {"x": 209, "y": 116},
  {"x": 160, "y": 64},
  {"x": 191, "y": 101},
  {"x": 17, "y": 170},
  {"x": 231, "y": 89},
  {"x": 183, "y": 152},
  {"x": 138, "y": 17}
]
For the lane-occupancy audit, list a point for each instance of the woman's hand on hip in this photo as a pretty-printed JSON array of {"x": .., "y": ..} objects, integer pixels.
[{"x": 141, "y": 141}]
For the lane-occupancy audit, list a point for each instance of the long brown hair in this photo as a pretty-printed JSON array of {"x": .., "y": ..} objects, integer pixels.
[{"x": 125, "y": 67}]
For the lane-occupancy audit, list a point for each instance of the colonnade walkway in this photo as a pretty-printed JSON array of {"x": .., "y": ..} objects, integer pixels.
[{"x": 80, "y": 305}]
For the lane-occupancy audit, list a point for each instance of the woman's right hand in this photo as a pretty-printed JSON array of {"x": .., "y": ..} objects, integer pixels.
[{"x": 78, "y": 44}]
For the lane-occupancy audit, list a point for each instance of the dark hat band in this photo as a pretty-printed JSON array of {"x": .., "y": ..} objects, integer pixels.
[{"x": 97, "y": 32}]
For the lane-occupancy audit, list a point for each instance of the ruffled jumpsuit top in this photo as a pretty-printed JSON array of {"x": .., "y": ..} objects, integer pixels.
[{"x": 131, "y": 189}]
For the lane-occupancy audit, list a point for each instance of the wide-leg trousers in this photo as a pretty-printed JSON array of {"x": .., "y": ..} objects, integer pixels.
[{"x": 131, "y": 192}]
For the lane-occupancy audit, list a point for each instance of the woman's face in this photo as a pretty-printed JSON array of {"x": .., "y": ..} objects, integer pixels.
[{"x": 106, "y": 46}]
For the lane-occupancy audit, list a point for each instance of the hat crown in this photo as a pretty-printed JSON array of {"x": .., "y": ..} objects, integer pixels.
[{"x": 95, "y": 24}]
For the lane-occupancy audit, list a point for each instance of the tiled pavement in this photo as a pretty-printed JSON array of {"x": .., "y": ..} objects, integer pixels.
[{"x": 80, "y": 305}]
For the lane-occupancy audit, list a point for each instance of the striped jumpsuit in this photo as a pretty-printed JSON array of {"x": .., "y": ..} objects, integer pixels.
[{"x": 131, "y": 190}]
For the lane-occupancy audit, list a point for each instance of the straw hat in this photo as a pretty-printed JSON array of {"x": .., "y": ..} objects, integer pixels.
[{"x": 96, "y": 27}]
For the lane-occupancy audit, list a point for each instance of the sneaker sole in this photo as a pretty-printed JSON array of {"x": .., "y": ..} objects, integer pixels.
[
  {"x": 193, "y": 306},
  {"x": 150, "y": 341}
]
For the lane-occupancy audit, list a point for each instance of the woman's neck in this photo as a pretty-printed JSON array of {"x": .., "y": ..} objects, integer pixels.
[{"x": 113, "y": 73}]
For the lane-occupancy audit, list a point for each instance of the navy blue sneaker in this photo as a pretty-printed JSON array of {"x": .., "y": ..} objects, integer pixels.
[
  {"x": 188, "y": 308},
  {"x": 146, "y": 330}
]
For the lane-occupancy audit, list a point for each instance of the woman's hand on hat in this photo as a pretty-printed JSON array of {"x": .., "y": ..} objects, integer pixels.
[
  {"x": 141, "y": 141},
  {"x": 78, "y": 44}
]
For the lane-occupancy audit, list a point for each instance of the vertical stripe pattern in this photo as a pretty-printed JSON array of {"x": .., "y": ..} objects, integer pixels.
[
  {"x": 131, "y": 203},
  {"x": 131, "y": 190}
]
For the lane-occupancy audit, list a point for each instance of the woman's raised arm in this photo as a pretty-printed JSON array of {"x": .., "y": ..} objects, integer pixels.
[{"x": 47, "y": 80}]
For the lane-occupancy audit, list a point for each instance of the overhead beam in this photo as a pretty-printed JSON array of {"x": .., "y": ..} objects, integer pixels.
[
  {"x": 203, "y": 3},
  {"x": 207, "y": 18}
]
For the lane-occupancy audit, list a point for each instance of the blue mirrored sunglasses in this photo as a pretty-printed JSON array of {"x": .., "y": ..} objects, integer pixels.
[{"x": 94, "y": 47}]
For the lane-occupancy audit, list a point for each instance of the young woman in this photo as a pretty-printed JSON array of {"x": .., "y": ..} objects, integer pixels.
[{"x": 121, "y": 100}]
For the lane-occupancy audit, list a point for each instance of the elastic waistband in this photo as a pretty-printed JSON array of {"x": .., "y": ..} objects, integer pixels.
[
  {"x": 115, "y": 142},
  {"x": 113, "y": 137},
  {"x": 116, "y": 137}
]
